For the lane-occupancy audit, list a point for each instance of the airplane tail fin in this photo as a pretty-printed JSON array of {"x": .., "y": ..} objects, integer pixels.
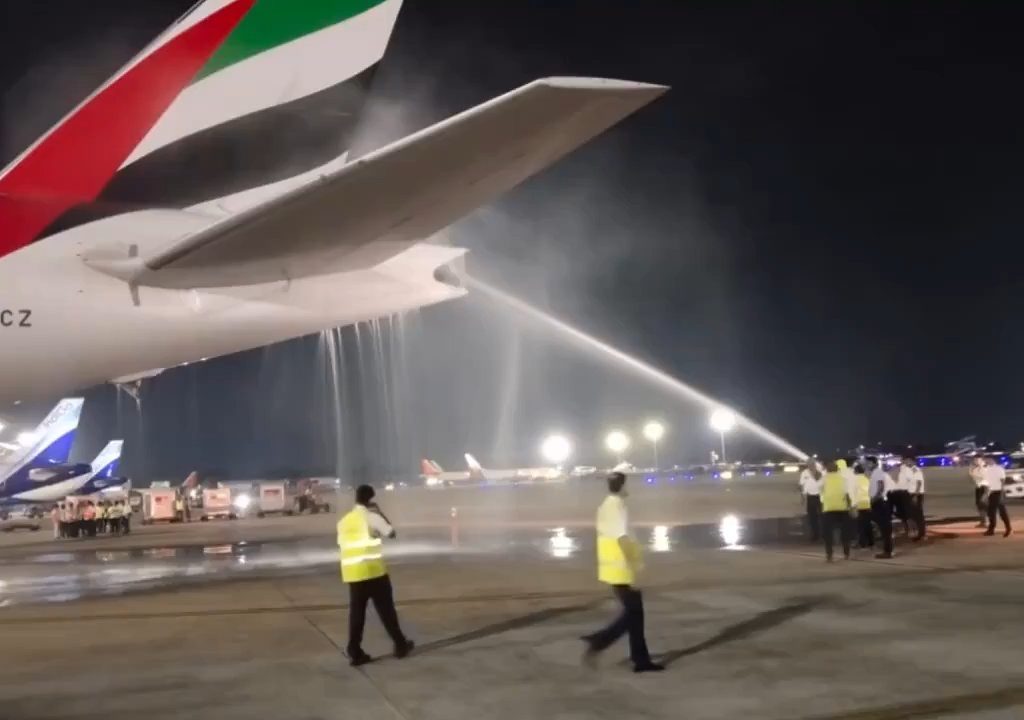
[
  {"x": 105, "y": 464},
  {"x": 50, "y": 443},
  {"x": 430, "y": 468},
  {"x": 473, "y": 464},
  {"x": 236, "y": 95}
]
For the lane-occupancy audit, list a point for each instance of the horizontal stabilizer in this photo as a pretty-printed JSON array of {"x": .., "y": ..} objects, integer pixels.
[{"x": 375, "y": 207}]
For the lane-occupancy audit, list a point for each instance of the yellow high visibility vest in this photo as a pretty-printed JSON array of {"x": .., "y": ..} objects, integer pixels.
[
  {"x": 863, "y": 492},
  {"x": 361, "y": 557},
  {"x": 612, "y": 565},
  {"x": 833, "y": 492}
]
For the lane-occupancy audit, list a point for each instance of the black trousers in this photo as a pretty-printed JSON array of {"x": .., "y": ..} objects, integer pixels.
[
  {"x": 882, "y": 510},
  {"x": 900, "y": 501},
  {"x": 917, "y": 510},
  {"x": 830, "y": 521},
  {"x": 979, "y": 501},
  {"x": 995, "y": 504},
  {"x": 630, "y": 620},
  {"x": 814, "y": 516},
  {"x": 378, "y": 590},
  {"x": 865, "y": 534}
]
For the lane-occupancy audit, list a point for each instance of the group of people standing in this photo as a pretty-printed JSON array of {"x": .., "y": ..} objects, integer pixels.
[
  {"x": 89, "y": 518},
  {"x": 835, "y": 494}
]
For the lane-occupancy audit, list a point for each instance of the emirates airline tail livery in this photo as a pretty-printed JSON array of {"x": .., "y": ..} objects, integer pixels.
[{"x": 200, "y": 202}]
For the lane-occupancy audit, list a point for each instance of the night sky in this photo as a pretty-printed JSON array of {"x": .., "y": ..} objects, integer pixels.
[{"x": 819, "y": 224}]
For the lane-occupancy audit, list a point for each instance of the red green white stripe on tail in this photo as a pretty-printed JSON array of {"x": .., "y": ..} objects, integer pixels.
[{"x": 283, "y": 50}]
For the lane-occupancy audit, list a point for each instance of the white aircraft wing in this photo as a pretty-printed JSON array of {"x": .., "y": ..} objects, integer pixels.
[{"x": 378, "y": 205}]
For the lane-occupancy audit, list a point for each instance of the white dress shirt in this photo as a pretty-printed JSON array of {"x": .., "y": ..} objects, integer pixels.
[
  {"x": 995, "y": 476},
  {"x": 808, "y": 485},
  {"x": 977, "y": 473},
  {"x": 910, "y": 479},
  {"x": 379, "y": 527},
  {"x": 881, "y": 483}
]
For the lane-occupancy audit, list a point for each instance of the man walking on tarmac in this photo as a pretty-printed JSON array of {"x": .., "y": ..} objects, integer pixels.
[
  {"x": 995, "y": 478},
  {"x": 618, "y": 562},
  {"x": 810, "y": 489},
  {"x": 880, "y": 486},
  {"x": 836, "y": 492},
  {"x": 363, "y": 569}
]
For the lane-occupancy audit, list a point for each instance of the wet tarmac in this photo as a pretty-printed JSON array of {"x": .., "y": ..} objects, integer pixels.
[{"x": 63, "y": 573}]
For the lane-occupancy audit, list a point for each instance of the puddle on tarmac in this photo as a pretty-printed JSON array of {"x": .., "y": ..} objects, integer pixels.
[{"x": 730, "y": 533}]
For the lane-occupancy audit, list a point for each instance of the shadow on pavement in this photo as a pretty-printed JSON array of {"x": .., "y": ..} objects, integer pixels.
[
  {"x": 759, "y": 623},
  {"x": 534, "y": 618}
]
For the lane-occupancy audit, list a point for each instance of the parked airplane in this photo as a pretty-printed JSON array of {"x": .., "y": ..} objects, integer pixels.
[
  {"x": 201, "y": 201},
  {"x": 433, "y": 474},
  {"x": 42, "y": 457},
  {"x": 534, "y": 474},
  {"x": 54, "y": 483}
]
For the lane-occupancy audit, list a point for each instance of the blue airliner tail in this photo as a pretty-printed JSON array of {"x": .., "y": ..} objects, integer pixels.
[
  {"x": 46, "y": 447},
  {"x": 104, "y": 469}
]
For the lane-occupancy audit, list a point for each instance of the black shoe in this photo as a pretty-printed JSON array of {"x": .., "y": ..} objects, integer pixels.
[
  {"x": 829, "y": 559},
  {"x": 648, "y": 666},
  {"x": 989, "y": 532},
  {"x": 1008, "y": 532},
  {"x": 357, "y": 659},
  {"x": 883, "y": 556},
  {"x": 404, "y": 650}
]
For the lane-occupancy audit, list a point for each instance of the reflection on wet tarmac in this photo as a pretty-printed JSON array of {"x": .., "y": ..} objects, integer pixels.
[
  {"x": 660, "y": 540},
  {"x": 731, "y": 531},
  {"x": 57, "y": 577},
  {"x": 562, "y": 546}
]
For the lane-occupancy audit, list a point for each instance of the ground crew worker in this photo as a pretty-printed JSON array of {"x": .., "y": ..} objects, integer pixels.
[
  {"x": 101, "y": 516},
  {"x": 362, "y": 568},
  {"x": 126, "y": 516},
  {"x": 89, "y": 519},
  {"x": 179, "y": 508},
  {"x": 810, "y": 489},
  {"x": 114, "y": 519},
  {"x": 618, "y": 562},
  {"x": 835, "y": 505},
  {"x": 977, "y": 473},
  {"x": 918, "y": 501},
  {"x": 862, "y": 502},
  {"x": 905, "y": 482},
  {"x": 881, "y": 485},
  {"x": 995, "y": 477},
  {"x": 58, "y": 530}
]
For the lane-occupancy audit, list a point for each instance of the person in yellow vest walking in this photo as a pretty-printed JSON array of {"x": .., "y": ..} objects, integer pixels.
[
  {"x": 862, "y": 501},
  {"x": 618, "y": 562},
  {"x": 363, "y": 569},
  {"x": 835, "y": 505}
]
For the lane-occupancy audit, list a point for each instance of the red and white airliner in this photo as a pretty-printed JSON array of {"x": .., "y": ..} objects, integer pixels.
[{"x": 201, "y": 202}]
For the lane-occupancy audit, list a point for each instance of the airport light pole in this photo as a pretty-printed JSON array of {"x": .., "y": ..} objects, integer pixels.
[
  {"x": 654, "y": 431},
  {"x": 556, "y": 449},
  {"x": 723, "y": 420},
  {"x": 617, "y": 442}
]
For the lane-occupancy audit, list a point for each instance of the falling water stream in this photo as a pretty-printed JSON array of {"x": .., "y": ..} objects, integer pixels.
[{"x": 628, "y": 361}]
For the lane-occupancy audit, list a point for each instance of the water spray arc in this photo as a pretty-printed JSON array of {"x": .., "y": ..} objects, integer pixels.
[{"x": 637, "y": 366}]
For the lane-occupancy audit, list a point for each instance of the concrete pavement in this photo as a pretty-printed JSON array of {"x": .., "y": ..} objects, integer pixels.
[{"x": 757, "y": 633}]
